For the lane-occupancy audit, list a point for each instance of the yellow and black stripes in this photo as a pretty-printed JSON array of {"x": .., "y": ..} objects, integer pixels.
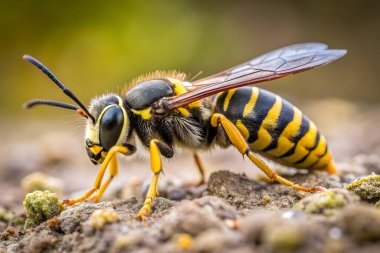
[
  {"x": 274, "y": 127},
  {"x": 285, "y": 117}
]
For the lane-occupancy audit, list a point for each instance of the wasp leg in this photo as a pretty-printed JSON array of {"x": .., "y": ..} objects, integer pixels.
[
  {"x": 156, "y": 149},
  {"x": 109, "y": 160},
  {"x": 201, "y": 169},
  {"x": 240, "y": 143},
  {"x": 113, "y": 170}
]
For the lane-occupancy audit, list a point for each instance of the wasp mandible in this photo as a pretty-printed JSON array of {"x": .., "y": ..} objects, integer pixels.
[{"x": 163, "y": 110}]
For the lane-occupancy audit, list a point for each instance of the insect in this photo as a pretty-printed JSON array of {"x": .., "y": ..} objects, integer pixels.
[{"x": 164, "y": 111}]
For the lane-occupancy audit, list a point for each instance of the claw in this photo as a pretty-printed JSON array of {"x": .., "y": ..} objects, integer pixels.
[
  {"x": 68, "y": 202},
  {"x": 194, "y": 185},
  {"x": 320, "y": 188},
  {"x": 143, "y": 213},
  {"x": 94, "y": 199}
]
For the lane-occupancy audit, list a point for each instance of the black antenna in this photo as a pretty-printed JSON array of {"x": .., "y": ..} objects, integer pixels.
[
  {"x": 68, "y": 92},
  {"x": 34, "y": 102}
]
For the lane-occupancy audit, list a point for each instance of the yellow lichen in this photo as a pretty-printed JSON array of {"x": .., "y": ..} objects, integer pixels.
[
  {"x": 325, "y": 202},
  {"x": 38, "y": 181},
  {"x": 183, "y": 241},
  {"x": 266, "y": 199},
  {"x": 103, "y": 216},
  {"x": 371, "y": 178}
]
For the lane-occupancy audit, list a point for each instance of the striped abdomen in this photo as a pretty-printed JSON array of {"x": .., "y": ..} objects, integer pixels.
[{"x": 275, "y": 128}]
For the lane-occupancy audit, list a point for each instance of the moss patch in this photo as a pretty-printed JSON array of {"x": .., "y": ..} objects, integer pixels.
[
  {"x": 367, "y": 188},
  {"x": 325, "y": 202},
  {"x": 40, "y": 206}
]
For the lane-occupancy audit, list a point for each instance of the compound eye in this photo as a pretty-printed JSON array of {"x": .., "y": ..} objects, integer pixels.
[{"x": 111, "y": 125}]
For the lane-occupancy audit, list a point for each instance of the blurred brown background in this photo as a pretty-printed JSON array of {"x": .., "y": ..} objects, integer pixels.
[{"x": 94, "y": 46}]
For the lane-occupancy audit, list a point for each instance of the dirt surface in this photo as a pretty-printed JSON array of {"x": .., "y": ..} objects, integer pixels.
[{"x": 235, "y": 212}]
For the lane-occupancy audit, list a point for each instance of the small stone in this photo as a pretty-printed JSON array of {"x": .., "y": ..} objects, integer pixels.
[
  {"x": 124, "y": 242},
  {"x": 293, "y": 214},
  {"x": 285, "y": 238},
  {"x": 335, "y": 233},
  {"x": 266, "y": 199},
  {"x": 177, "y": 194},
  {"x": 211, "y": 240},
  {"x": 190, "y": 218},
  {"x": 7, "y": 234},
  {"x": 367, "y": 188},
  {"x": 361, "y": 222},
  {"x": 253, "y": 225},
  {"x": 271, "y": 232},
  {"x": 102, "y": 216}
]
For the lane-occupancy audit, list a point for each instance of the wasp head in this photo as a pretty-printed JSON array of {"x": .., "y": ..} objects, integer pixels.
[{"x": 111, "y": 126}]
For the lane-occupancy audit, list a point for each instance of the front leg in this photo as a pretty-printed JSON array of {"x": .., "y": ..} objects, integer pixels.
[
  {"x": 110, "y": 160},
  {"x": 156, "y": 148}
]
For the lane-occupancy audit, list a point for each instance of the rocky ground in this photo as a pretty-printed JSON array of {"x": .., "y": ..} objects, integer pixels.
[{"x": 234, "y": 212}]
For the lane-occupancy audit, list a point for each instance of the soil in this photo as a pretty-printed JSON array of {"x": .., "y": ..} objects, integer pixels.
[{"x": 234, "y": 214}]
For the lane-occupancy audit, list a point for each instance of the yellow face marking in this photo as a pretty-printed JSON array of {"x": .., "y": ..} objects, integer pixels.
[
  {"x": 251, "y": 103},
  {"x": 228, "y": 99},
  {"x": 126, "y": 122},
  {"x": 96, "y": 149},
  {"x": 264, "y": 138},
  {"x": 242, "y": 128},
  {"x": 184, "y": 112},
  {"x": 92, "y": 133},
  {"x": 145, "y": 114}
]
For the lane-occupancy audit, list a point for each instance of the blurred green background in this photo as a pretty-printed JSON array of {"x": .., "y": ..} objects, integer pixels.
[{"x": 95, "y": 46}]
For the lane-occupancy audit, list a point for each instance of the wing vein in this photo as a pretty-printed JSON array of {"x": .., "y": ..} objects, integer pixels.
[{"x": 276, "y": 64}]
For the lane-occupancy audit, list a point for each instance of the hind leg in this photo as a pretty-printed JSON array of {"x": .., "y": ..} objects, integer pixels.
[
  {"x": 240, "y": 143},
  {"x": 200, "y": 168}
]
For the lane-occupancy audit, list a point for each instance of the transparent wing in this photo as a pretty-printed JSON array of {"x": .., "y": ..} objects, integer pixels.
[{"x": 273, "y": 65}]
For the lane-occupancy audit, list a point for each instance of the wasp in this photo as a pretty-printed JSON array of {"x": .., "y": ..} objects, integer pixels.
[{"x": 163, "y": 111}]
